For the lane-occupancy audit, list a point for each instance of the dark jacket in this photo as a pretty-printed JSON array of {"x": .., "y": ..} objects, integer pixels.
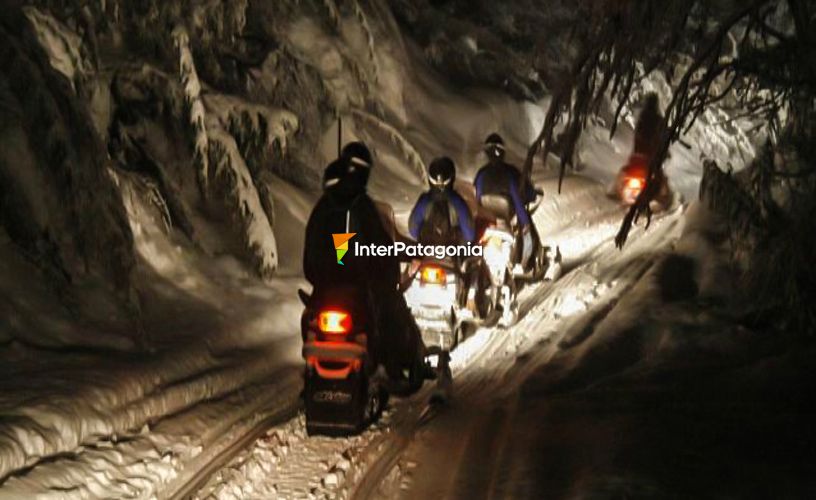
[
  {"x": 501, "y": 178},
  {"x": 461, "y": 222},
  {"x": 649, "y": 130},
  {"x": 347, "y": 209}
]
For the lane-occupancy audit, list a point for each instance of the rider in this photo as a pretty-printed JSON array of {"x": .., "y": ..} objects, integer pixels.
[
  {"x": 649, "y": 129},
  {"x": 501, "y": 178},
  {"x": 440, "y": 215},
  {"x": 345, "y": 207}
]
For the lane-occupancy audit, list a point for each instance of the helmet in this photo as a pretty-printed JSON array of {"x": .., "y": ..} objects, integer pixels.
[
  {"x": 334, "y": 172},
  {"x": 442, "y": 173},
  {"x": 358, "y": 162},
  {"x": 494, "y": 146},
  {"x": 357, "y": 154}
]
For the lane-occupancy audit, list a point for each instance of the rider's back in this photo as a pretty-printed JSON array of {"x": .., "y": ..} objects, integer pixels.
[
  {"x": 441, "y": 217},
  {"x": 496, "y": 178},
  {"x": 439, "y": 226},
  {"x": 338, "y": 212},
  {"x": 649, "y": 128},
  {"x": 502, "y": 179}
]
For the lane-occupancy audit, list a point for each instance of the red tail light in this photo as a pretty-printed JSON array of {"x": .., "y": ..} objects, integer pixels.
[
  {"x": 432, "y": 274},
  {"x": 334, "y": 322}
]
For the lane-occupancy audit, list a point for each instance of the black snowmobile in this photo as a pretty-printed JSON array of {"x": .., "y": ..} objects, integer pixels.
[{"x": 345, "y": 388}]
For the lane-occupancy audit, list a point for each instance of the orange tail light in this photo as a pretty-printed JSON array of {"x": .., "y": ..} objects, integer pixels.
[{"x": 432, "y": 274}]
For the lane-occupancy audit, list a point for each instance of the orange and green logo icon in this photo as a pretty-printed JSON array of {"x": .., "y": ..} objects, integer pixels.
[{"x": 341, "y": 244}]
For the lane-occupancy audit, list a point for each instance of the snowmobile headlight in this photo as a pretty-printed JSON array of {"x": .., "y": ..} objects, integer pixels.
[{"x": 334, "y": 321}]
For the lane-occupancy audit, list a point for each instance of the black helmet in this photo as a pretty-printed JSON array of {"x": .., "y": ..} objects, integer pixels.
[
  {"x": 442, "y": 173},
  {"x": 358, "y": 162},
  {"x": 494, "y": 146},
  {"x": 334, "y": 173},
  {"x": 357, "y": 154}
]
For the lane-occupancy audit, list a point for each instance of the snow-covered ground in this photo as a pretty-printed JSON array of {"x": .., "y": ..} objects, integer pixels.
[
  {"x": 623, "y": 378},
  {"x": 488, "y": 367}
]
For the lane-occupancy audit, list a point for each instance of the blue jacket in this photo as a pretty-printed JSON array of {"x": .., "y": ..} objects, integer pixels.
[
  {"x": 465, "y": 221},
  {"x": 505, "y": 179}
]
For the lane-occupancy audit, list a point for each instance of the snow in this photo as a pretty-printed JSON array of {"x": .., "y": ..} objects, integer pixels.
[
  {"x": 62, "y": 45},
  {"x": 295, "y": 466},
  {"x": 578, "y": 327},
  {"x": 192, "y": 93},
  {"x": 226, "y": 345},
  {"x": 227, "y": 335},
  {"x": 219, "y": 151}
]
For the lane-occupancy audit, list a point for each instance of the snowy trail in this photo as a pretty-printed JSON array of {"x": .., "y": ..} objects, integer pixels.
[
  {"x": 208, "y": 414},
  {"x": 402, "y": 450},
  {"x": 480, "y": 428}
]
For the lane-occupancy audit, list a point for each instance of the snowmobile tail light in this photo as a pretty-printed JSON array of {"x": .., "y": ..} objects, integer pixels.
[
  {"x": 434, "y": 275},
  {"x": 334, "y": 322},
  {"x": 634, "y": 183},
  {"x": 632, "y": 187}
]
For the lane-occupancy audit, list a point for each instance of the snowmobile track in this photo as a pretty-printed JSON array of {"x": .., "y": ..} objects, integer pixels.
[
  {"x": 388, "y": 448},
  {"x": 188, "y": 488}
]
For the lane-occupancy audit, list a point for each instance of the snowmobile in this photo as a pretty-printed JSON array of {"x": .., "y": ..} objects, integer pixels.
[
  {"x": 501, "y": 239},
  {"x": 344, "y": 387},
  {"x": 432, "y": 291},
  {"x": 542, "y": 265},
  {"x": 631, "y": 180},
  {"x": 499, "y": 245}
]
